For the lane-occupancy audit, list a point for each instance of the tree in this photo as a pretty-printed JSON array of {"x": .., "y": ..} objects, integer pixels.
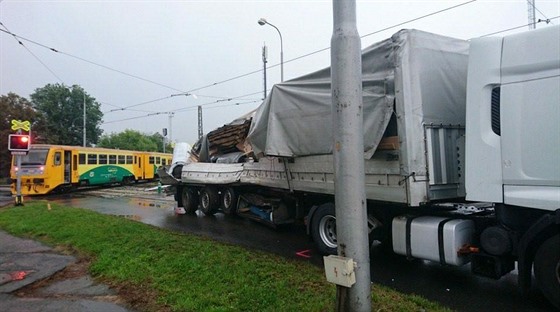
[
  {"x": 63, "y": 109},
  {"x": 12, "y": 107},
  {"x": 133, "y": 140}
]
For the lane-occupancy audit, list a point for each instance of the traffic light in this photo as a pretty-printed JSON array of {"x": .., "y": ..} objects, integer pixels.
[{"x": 19, "y": 142}]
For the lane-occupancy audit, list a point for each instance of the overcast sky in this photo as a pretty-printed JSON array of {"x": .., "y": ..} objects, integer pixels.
[{"x": 186, "y": 46}]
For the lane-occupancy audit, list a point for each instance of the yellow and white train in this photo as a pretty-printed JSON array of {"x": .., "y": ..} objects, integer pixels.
[{"x": 53, "y": 168}]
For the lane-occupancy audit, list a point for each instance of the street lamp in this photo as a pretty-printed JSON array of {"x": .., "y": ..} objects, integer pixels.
[{"x": 262, "y": 22}]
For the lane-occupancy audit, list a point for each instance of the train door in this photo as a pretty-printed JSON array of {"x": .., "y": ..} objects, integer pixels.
[
  {"x": 57, "y": 176},
  {"x": 138, "y": 168},
  {"x": 74, "y": 168},
  {"x": 149, "y": 162},
  {"x": 67, "y": 159}
]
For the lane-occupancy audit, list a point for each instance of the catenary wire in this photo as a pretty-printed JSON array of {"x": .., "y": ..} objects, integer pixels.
[
  {"x": 534, "y": 6},
  {"x": 517, "y": 27},
  {"x": 33, "y": 54},
  {"x": 90, "y": 62},
  {"x": 308, "y": 54}
]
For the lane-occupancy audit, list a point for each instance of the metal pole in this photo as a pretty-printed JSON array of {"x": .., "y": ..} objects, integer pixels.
[
  {"x": 264, "y": 56},
  {"x": 84, "y": 117},
  {"x": 281, "y": 58},
  {"x": 200, "y": 132},
  {"x": 170, "y": 126},
  {"x": 531, "y": 13},
  {"x": 350, "y": 200},
  {"x": 263, "y": 21},
  {"x": 19, "y": 199},
  {"x": 281, "y": 53}
]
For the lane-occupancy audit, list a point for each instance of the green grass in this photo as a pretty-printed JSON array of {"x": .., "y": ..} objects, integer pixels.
[{"x": 179, "y": 272}]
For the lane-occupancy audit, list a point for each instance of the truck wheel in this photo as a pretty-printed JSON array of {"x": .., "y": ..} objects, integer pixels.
[
  {"x": 189, "y": 199},
  {"x": 323, "y": 229},
  {"x": 229, "y": 201},
  {"x": 547, "y": 269},
  {"x": 209, "y": 200}
]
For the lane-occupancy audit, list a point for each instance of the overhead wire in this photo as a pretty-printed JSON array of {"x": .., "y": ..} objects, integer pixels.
[
  {"x": 535, "y": 7},
  {"x": 184, "y": 109},
  {"x": 90, "y": 62},
  {"x": 517, "y": 27},
  {"x": 242, "y": 75},
  {"x": 33, "y": 54},
  {"x": 309, "y": 54},
  {"x": 134, "y": 105}
]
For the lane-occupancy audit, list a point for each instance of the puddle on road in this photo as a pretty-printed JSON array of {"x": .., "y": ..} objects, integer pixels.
[
  {"x": 153, "y": 203},
  {"x": 131, "y": 217},
  {"x": 145, "y": 203}
]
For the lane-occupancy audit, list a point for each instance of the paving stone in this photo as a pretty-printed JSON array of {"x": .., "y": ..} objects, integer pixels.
[
  {"x": 15, "y": 244},
  {"x": 84, "y": 286},
  {"x": 14, "y": 304},
  {"x": 31, "y": 268}
]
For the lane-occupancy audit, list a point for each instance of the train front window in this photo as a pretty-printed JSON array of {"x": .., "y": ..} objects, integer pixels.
[{"x": 35, "y": 157}]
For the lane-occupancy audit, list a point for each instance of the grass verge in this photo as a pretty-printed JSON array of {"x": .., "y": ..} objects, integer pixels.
[{"x": 160, "y": 270}]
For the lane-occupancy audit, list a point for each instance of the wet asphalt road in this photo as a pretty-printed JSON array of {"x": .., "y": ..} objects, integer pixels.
[{"x": 454, "y": 287}]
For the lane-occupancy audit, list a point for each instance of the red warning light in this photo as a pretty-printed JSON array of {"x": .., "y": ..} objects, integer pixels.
[{"x": 19, "y": 142}]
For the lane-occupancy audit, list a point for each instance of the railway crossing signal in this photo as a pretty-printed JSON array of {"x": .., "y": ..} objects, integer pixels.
[
  {"x": 19, "y": 142},
  {"x": 19, "y": 145}
]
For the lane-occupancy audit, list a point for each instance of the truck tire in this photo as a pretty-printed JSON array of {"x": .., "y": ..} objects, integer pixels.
[
  {"x": 547, "y": 269},
  {"x": 189, "y": 199},
  {"x": 209, "y": 200},
  {"x": 323, "y": 229},
  {"x": 229, "y": 201}
]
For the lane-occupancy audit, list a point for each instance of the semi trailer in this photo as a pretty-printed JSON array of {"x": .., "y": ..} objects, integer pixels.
[{"x": 461, "y": 154}]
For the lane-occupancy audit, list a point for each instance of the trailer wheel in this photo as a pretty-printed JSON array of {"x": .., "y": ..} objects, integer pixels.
[
  {"x": 189, "y": 200},
  {"x": 209, "y": 200},
  {"x": 323, "y": 229},
  {"x": 547, "y": 269},
  {"x": 229, "y": 201}
]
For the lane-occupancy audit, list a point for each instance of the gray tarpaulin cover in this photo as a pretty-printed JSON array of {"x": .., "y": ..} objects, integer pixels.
[{"x": 427, "y": 69}]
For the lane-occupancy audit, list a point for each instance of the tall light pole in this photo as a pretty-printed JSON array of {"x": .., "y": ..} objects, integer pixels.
[
  {"x": 84, "y": 117},
  {"x": 264, "y": 56},
  {"x": 262, "y": 22}
]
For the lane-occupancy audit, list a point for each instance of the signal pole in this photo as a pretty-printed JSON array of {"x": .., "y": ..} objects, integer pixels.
[
  {"x": 19, "y": 198},
  {"x": 19, "y": 145}
]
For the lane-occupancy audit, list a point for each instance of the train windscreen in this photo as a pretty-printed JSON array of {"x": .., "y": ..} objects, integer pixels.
[{"x": 35, "y": 157}]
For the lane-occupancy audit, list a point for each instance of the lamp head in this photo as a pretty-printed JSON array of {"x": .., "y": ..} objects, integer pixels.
[{"x": 262, "y": 21}]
